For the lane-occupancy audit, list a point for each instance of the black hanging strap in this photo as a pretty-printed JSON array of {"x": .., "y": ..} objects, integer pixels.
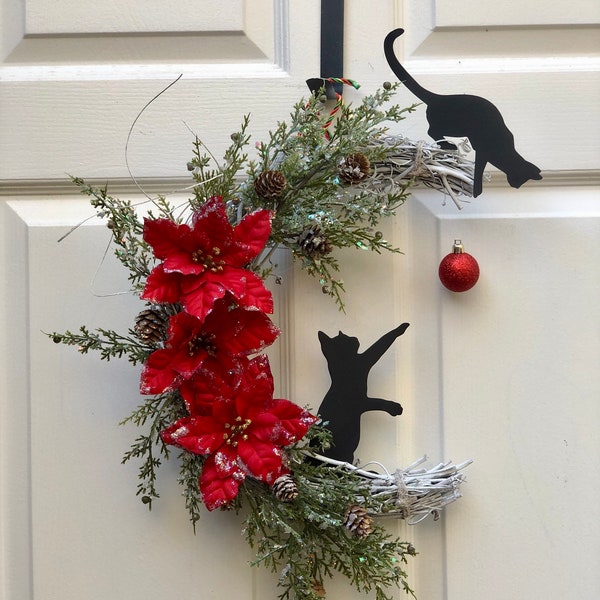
[{"x": 332, "y": 47}]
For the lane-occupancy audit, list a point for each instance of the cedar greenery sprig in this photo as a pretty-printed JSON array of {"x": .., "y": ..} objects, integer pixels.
[
  {"x": 305, "y": 540},
  {"x": 109, "y": 343},
  {"x": 347, "y": 215},
  {"x": 161, "y": 411}
]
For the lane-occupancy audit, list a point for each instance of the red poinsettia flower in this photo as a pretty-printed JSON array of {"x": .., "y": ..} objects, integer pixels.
[
  {"x": 204, "y": 261},
  {"x": 244, "y": 433},
  {"x": 213, "y": 344},
  {"x": 204, "y": 388}
]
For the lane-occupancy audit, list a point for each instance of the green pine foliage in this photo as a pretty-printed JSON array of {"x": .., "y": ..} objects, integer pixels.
[
  {"x": 315, "y": 196},
  {"x": 305, "y": 540}
]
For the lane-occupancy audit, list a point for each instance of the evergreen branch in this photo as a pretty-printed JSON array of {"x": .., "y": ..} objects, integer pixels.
[
  {"x": 305, "y": 540},
  {"x": 109, "y": 343},
  {"x": 126, "y": 228},
  {"x": 162, "y": 410},
  {"x": 189, "y": 476}
]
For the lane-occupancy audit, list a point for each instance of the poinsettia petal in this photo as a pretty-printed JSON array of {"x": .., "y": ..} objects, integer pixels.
[
  {"x": 241, "y": 331},
  {"x": 186, "y": 363},
  {"x": 254, "y": 391},
  {"x": 225, "y": 411},
  {"x": 255, "y": 294},
  {"x": 199, "y": 295},
  {"x": 263, "y": 427},
  {"x": 199, "y": 435},
  {"x": 163, "y": 235},
  {"x": 262, "y": 459},
  {"x": 250, "y": 237},
  {"x": 165, "y": 367},
  {"x": 226, "y": 461},
  {"x": 162, "y": 286},
  {"x": 182, "y": 328},
  {"x": 158, "y": 375},
  {"x": 232, "y": 278},
  {"x": 293, "y": 423},
  {"x": 187, "y": 353},
  {"x": 218, "y": 489},
  {"x": 173, "y": 243},
  {"x": 211, "y": 228},
  {"x": 205, "y": 389}
]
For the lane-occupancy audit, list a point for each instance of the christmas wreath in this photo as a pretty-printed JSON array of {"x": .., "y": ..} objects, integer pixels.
[{"x": 323, "y": 180}]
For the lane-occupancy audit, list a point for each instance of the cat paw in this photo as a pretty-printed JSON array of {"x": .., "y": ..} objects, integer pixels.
[
  {"x": 401, "y": 329},
  {"x": 396, "y": 410}
]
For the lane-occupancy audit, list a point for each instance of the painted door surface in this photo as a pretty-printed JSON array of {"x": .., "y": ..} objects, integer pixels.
[{"x": 506, "y": 374}]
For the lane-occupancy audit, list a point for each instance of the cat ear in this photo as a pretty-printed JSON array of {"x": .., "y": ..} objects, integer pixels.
[{"x": 323, "y": 337}]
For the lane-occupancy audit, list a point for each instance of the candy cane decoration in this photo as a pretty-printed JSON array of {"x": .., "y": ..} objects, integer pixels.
[{"x": 339, "y": 101}]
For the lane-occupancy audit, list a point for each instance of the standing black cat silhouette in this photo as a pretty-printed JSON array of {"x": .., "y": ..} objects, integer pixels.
[
  {"x": 347, "y": 398},
  {"x": 463, "y": 115}
]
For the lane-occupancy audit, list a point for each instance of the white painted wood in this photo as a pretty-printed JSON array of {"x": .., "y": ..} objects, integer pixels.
[
  {"x": 15, "y": 488},
  {"x": 94, "y": 103},
  {"x": 503, "y": 13},
  {"x": 507, "y": 373},
  {"x": 110, "y": 16},
  {"x": 544, "y": 80}
]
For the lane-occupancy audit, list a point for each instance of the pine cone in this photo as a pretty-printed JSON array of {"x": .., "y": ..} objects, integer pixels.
[
  {"x": 358, "y": 521},
  {"x": 354, "y": 168},
  {"x": 270, "y": 184},
  {"x": 317, "y": 588},
  {"x": 285, "y": 488},
  {"x": 151, "y": 326},
  {"x": 313, "y": 243}
]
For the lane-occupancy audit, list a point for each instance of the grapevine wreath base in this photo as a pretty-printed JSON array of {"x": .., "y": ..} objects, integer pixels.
[
  {"x": 411, "y": 493},
  {"x": 321, "y": 181}
]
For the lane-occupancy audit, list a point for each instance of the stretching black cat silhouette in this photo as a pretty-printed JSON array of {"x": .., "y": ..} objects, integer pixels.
[
  {"x": 463, "y": 115},
  {"x": 347, "y": 397}
]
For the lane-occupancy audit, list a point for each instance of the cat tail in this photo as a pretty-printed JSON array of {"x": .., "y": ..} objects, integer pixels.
[{"x": 400, "y": 72}]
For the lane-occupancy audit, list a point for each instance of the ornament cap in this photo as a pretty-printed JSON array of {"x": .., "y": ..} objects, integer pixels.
[{"x": 457, "y": 247}]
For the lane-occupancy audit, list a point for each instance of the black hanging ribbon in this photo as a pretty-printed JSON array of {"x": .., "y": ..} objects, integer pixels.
[{"x": 332, "y": 48}]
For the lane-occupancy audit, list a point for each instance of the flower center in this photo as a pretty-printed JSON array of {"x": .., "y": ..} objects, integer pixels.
[
  {"x": 236, "y": 431},
  {"x": 207, "y": 260},
  {"x": 202, "y": 341}
]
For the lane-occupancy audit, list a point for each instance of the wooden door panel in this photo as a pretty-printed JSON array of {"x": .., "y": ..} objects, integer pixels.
[
  {"x": 539, "y": 64},
  {"x": 503, "y": 13},
  {"x": 46, "y": 17},
  {"x": 512, "y": 377},
  {"x": 70, "y": 90},
  {"x": 70, "y": 506}
]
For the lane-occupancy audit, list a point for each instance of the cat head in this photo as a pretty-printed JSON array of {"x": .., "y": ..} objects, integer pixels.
[{"x": 340, "y": 344}]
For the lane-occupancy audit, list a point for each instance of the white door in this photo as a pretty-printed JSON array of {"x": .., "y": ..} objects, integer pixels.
[{"x": 505, "y": 374}]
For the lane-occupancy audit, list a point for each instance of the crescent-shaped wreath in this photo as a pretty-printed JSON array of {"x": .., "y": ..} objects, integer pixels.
[{"x": 322, "y": 180}]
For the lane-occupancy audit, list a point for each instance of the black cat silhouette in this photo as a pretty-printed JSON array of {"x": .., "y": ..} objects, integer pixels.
[
  {"x": 463, "y": 115},
  {"x": 347, "y": 399}
]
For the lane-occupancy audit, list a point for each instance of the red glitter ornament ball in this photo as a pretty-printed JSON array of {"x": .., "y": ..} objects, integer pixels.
[{"x": 458, "y": 270}]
